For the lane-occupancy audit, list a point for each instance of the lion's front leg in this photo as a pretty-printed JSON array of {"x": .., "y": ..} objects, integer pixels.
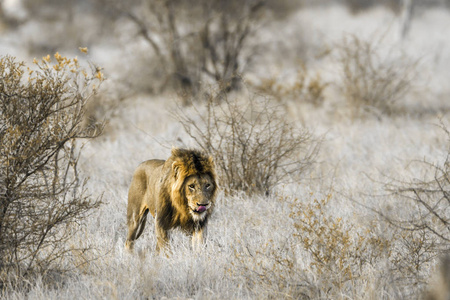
[
  {"x": 162, "y": 236},
  {"x": 198, "y": 238}
]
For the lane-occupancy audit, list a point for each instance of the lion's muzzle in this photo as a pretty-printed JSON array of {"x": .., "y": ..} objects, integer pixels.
[{"x": 201, "y": 209}]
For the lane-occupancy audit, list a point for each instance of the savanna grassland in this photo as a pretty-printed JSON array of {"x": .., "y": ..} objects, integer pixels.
[{"x": 328, "y": 121}]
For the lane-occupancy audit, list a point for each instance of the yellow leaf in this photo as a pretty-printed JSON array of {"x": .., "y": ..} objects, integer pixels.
[
  {"x": 58, "y": 56},
  {"x": 99, "y": 75},
  {"x": 84, "y": 50}
]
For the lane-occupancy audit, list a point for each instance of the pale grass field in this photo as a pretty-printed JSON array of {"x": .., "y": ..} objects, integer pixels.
[{"x": 245, "y": 232}]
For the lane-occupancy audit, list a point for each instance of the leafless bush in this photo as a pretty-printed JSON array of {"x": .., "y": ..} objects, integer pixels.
[
  {"x": 42, "y": 195},
  {"x": 49, "y": 9},
  {"x": 283, "y": 8},
  {"x": 195, "y": 40},
  {"x": 356, "y": 6},
  {"x": 306, "y": 88},
  {"x": 253, "y": 144},
  {"x": 7, "y": 20},
  {"x": 371, "y": 83},
  {"x": 432, "y": 199},
  {"x": 62, "y": 25},
  {"x": 422, "y": 220}
]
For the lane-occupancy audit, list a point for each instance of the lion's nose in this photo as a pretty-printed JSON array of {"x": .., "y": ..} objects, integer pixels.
[{"x": 202, "y": 204}]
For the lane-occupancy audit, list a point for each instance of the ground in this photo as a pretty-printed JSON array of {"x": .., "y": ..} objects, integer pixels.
[{"x": 245, "y": 231}]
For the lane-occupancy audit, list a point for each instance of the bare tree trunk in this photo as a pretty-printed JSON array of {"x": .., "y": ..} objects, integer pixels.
[
  {"x": 2, "y": 14},
  {"x": 406, "y": 18}
]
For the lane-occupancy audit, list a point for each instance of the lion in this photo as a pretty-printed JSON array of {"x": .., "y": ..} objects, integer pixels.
[{"x": 179, "y": 193}]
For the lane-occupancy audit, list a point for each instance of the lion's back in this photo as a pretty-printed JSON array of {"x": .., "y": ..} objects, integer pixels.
[
  {"x": 151, "y": 166},
  {"x": 142, "y": 192}
]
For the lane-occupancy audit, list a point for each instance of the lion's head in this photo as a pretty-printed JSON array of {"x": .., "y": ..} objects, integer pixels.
[
  {"x": 199, "y": 191},
  {"x": 194, "y": 184}
]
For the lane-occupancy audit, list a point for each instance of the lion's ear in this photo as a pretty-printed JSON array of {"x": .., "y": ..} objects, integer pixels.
[
  {"x": 175, "y": 169},
  {"x": 211, "y": 161},
  {"x": 174, "y": 150}
]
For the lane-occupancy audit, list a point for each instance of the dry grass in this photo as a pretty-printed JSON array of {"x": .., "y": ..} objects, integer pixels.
[{"x": 293, "y": 241}]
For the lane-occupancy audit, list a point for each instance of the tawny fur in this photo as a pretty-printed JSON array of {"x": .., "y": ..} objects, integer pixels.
[{"x": 172, "y": 191}]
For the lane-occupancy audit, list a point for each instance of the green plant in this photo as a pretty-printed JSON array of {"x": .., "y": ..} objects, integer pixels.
[{"x": 42, "y": 195}]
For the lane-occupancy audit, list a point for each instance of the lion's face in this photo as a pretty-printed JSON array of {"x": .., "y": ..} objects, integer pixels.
[{"x": 199, "y": 190}]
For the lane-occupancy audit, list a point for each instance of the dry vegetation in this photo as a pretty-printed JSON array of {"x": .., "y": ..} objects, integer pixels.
[
  {"x": 305, "y": 88},
  {"x": 196, "y": 41},
  {"x": 371, "y": 83},
  {"x": 254, "y": 147},
  {"x": 42, "y": 196},
  {"x": 331, "y": 187}
]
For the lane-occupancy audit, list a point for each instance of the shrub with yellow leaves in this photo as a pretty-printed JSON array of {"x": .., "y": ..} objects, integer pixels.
[
  {"x": 42, "y": 194},
  {"x": 338, "y": 249},
  {"x": 321, "y": 255}
]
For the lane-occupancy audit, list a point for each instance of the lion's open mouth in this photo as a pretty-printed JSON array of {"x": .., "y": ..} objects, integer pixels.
[{"x": 200, "y": 209}]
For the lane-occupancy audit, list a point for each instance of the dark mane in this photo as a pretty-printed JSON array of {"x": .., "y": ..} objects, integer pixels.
[
  {"x": 187, "y": 163},
  {"x": 193, "y": 161}
]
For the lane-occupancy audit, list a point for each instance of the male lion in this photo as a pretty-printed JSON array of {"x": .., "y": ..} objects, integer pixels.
[{"x": 178, "y": 192}]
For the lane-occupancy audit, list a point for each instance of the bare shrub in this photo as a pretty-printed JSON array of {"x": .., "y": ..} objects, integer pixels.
[
  {"x": 305, "y": 88},
  {"x": 424, "y": 221},
  {"x": 8, "y": 21},
  {"x": 196, "y": 40},
  {"x": 281, "y": 9},
  {"x": 254, "y": 146},
  {"x": 42, "y": 195},
  {"x": 370, "y": 83},
  {"x": 357, "y": 6},
  {"x": 60, "y": 25},
  {"x": 413, "y": 254}
]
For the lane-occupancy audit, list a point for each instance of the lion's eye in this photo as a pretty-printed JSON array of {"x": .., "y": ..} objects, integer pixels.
[
  {"x": 207, "y": 186},
  {"x": 192, "y": 187}
]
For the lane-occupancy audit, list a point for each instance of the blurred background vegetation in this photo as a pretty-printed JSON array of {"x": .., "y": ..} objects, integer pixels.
[{"x": 325, "y": 137}]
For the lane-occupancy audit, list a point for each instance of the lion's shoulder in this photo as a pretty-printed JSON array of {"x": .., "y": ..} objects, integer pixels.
[{"x": 151, "y": 164}]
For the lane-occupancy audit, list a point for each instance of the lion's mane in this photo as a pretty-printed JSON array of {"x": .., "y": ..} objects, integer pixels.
[{"x": 182, "y": 164}]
